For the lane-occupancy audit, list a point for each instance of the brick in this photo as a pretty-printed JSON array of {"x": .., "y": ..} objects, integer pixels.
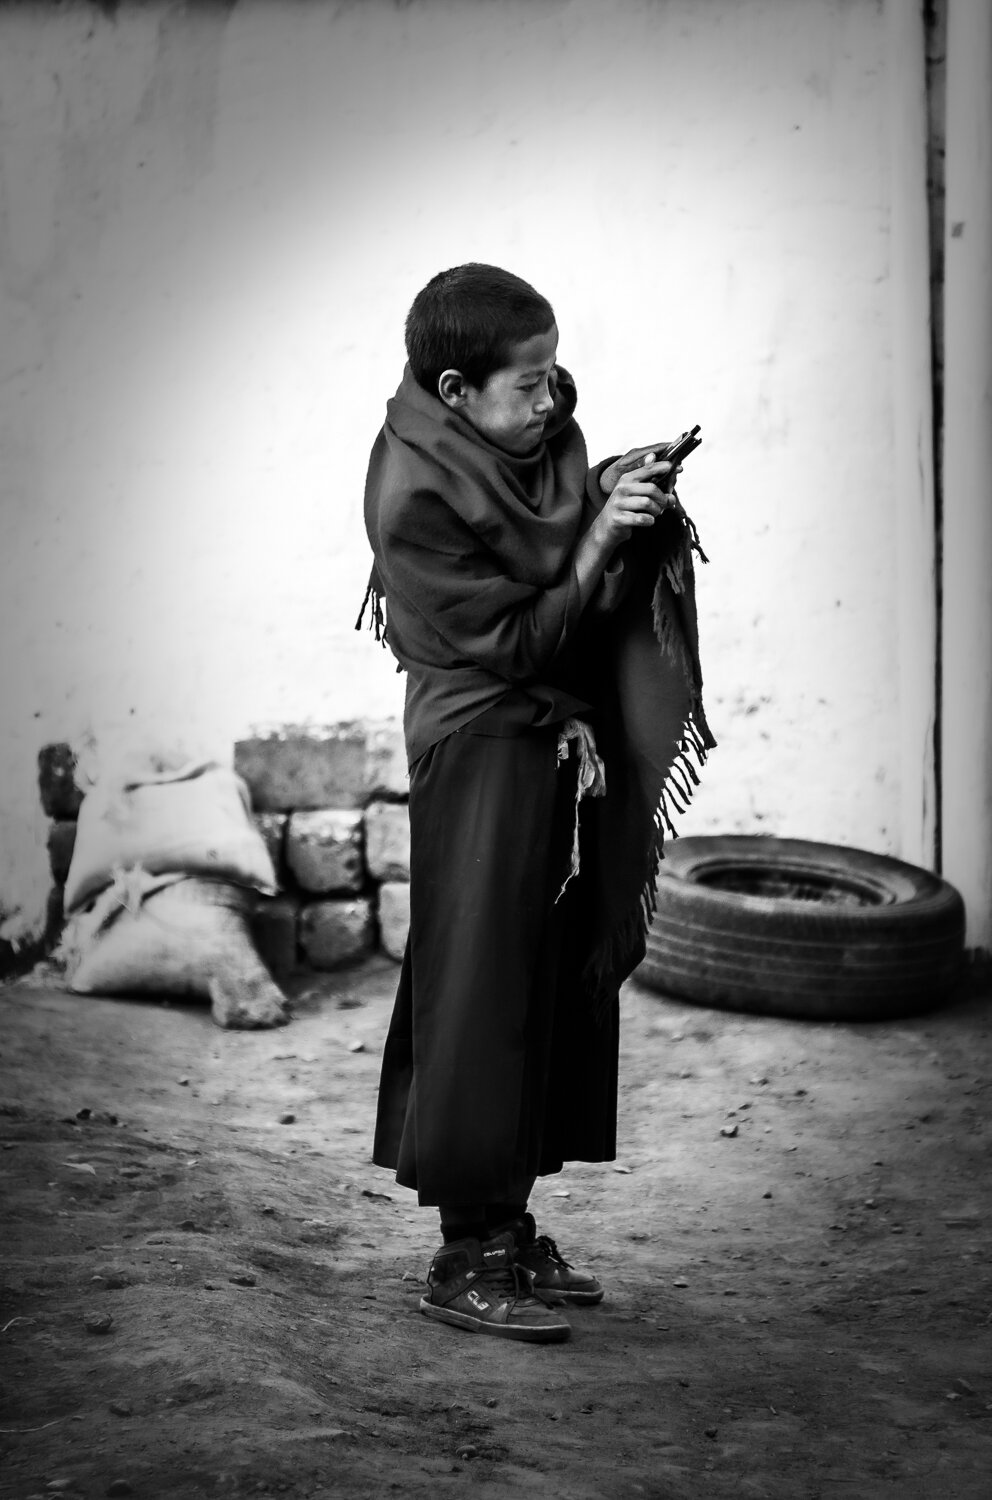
[
  {"x": 386, "y": 773},
  {"x": 336, "y": 933},
  {"x": 324, "y": 850},
  {"x": 394, "y": 917},
  {"x": 272, "y": 827},
  {"x": 303, "y": 767},
  {"x": 387, "y": 841},
  {"x": 274, "y": 933},
  {"x": 60, "y": 795},
  {"x": 61, "y": 842}
]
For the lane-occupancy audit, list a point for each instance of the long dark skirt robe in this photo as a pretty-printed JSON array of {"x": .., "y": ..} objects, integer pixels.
[{"x": 494, "y": 1069}]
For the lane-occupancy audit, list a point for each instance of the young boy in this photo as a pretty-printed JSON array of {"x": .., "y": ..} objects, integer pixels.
[{"x": 543, "y": 612}]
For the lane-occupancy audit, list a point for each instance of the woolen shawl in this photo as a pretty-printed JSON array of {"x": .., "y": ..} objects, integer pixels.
[{"x": 473, "y": 551}]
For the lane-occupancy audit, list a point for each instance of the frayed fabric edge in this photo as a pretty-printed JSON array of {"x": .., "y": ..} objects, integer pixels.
[
  {"x": 377, "y": 619},
  {"x": 375, "y": 598},
  {"x": 616, "y": 958},
  {"x": 591, "y": 781}
]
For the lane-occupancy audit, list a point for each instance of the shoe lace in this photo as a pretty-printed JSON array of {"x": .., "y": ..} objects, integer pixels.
[
  {"x": 547, "y": 1247},
  {"x": 508, "y": 1281}
]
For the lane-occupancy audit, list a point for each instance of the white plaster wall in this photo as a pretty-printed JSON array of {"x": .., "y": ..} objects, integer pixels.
[{"x": 212, "y": 222}]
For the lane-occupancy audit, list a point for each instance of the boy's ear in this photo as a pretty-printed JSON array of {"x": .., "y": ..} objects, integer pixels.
[{"x": 451, "y": 387}]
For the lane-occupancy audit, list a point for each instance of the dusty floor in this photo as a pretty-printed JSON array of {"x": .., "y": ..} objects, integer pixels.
[{"x": 797, "y": 1310}]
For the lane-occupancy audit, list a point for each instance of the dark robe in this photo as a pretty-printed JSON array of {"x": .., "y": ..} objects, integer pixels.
[
  {"x": 501, "y": 1058},
  {"x": 490, "y": 1076}
]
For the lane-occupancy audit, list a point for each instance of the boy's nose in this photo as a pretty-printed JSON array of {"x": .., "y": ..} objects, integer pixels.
[{"x": 545, "y": 401}]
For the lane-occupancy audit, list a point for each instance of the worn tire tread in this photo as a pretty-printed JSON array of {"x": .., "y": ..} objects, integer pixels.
[{"x": 801, "y": 958}]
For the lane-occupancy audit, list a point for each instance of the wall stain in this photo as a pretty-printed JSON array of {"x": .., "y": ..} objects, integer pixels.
[{"x": 182, "y": 92}]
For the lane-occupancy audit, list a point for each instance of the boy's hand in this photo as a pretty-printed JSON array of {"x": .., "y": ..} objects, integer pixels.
[
  {"x": 639, "y": 496},
  {"x": 638, "y": 458}
]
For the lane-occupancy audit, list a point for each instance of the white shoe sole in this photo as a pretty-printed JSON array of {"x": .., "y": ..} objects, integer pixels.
[{"x": 529, "y": 1333}]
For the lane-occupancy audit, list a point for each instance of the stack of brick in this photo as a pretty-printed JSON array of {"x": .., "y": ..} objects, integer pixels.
[{"x": 331, "y": 806}]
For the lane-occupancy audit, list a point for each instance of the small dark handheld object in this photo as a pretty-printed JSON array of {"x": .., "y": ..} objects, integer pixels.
[{"x": 677, "y": 451}]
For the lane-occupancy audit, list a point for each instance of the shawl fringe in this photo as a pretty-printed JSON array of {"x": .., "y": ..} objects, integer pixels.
[
  {"x": 373, "y": 603},
  {"x": 627, "y": 943},
  {"x": 621, "y": 952},
  {"x": 374, "y": 600}
]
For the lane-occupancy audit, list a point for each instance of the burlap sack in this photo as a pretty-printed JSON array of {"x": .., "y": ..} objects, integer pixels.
[
  {"x": 168, "y": 935},
  {"x": 194, "y": 821}
]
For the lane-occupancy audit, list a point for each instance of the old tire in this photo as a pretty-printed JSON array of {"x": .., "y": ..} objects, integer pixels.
[{"x": 792, "y": 928}]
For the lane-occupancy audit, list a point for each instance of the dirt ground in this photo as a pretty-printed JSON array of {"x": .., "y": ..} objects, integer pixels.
[{"x": 208, "y": 1289}]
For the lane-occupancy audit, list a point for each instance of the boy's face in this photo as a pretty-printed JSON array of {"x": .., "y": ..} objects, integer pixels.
[{"x": 512, "y": 407}]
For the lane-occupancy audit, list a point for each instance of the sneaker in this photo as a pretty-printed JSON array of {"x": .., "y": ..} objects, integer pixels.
[
  {"x": 478, "y": 1285},
  {"x": 553, "y": 1278}
]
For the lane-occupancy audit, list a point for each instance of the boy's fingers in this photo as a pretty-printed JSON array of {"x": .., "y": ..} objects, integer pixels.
[
  {"x": 643, "y": 504},
  {"x": 652, "y": 465},
  {"x": 636, "y": 458},
  {"x": 651, "y": 476},
  {"x": 649, "y": 455}
]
